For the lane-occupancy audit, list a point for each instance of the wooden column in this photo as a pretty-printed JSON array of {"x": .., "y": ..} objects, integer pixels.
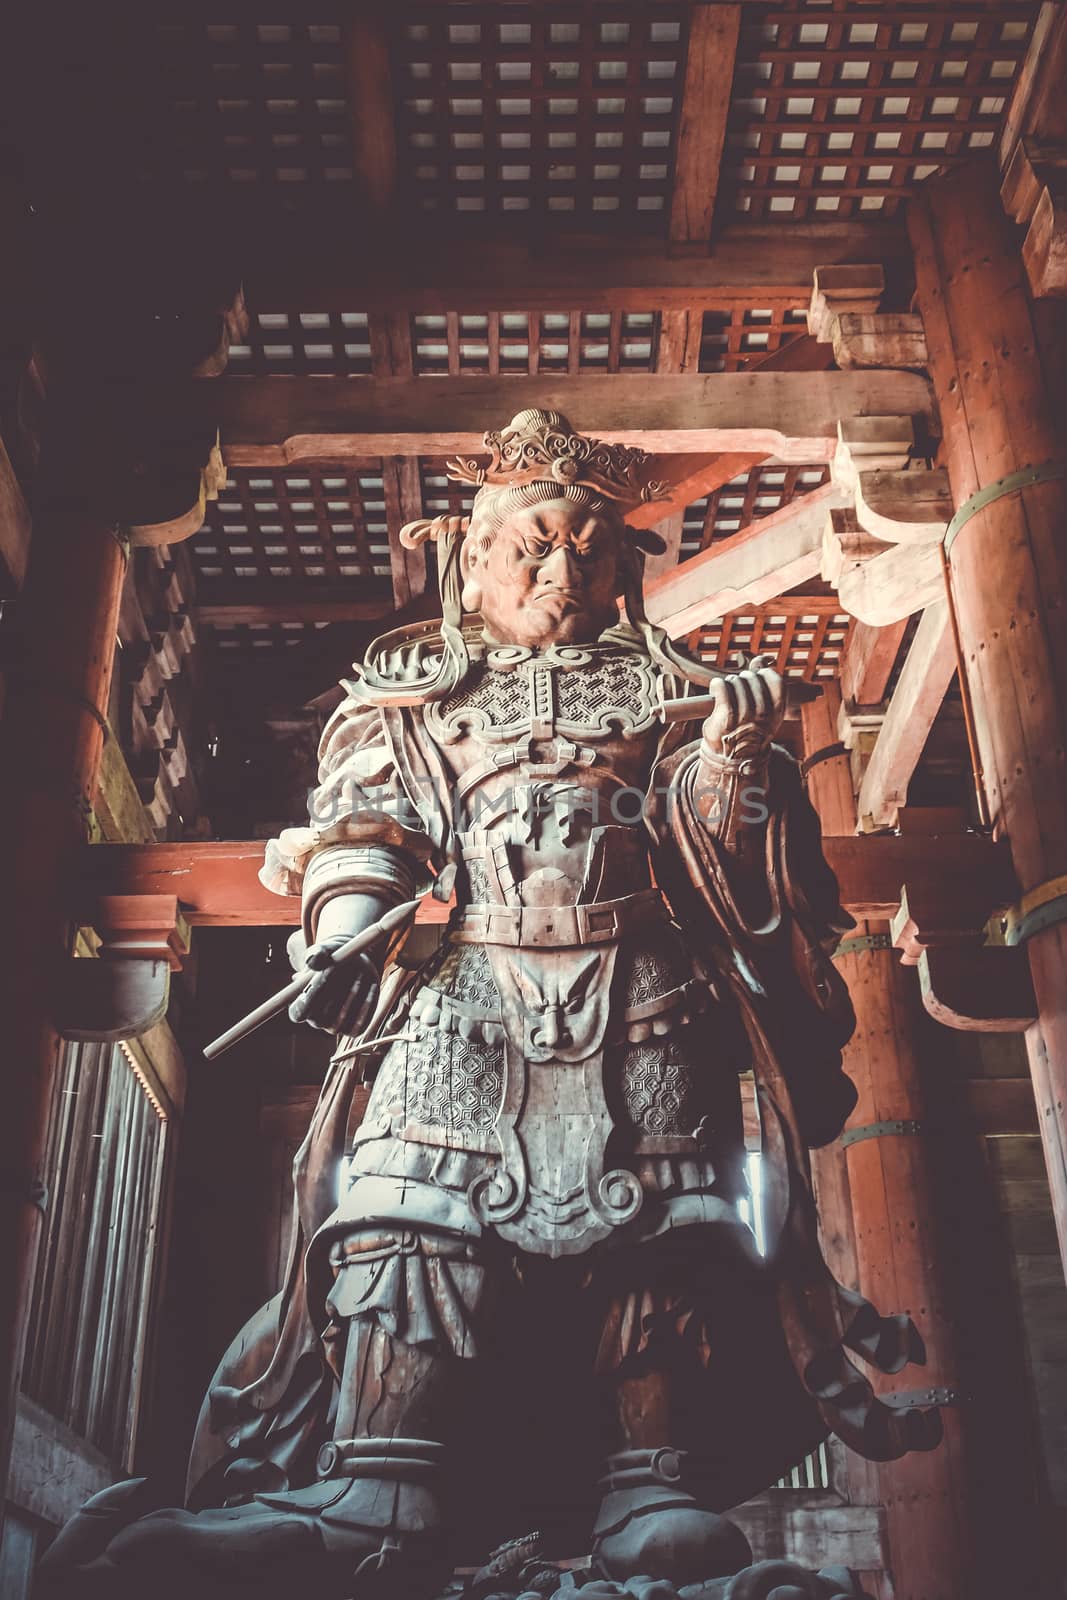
[
  {"x": 1008, "y": 568},
  {"x": 876, "y": 1216},
  {"x": 889, "y": 1149},
  {"x": 51, "y": 738}
]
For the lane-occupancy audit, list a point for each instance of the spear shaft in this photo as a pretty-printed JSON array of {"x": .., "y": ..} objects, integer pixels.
[{"x": 363, "y": 940}]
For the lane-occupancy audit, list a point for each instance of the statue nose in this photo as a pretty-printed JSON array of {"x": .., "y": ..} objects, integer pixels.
[
  {"x": 550, "y": 1029},
  {"x": 560, "y": 568}
]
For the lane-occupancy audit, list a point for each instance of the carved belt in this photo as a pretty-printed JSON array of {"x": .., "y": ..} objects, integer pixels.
[{"x": 558, "y": 926}]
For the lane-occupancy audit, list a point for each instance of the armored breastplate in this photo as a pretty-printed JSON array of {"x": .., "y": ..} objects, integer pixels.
[
  {"x": 515, "y": 695},
  {"x": 550, "y": 756}
]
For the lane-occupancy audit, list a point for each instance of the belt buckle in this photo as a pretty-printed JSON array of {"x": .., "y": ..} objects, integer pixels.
[
  {"x": 499, "y": 925},
  {"x": 600, "y": 922}
]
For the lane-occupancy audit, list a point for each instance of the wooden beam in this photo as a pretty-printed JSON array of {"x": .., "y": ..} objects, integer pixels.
[
  {"x": 793, "y": 415},
  {"x": 763, "y": 560},
  {"x": 217, "y": 885},
  {"x": 14, "y": 527},
  {"x": 365, "y": 48},
  {"x": 869, "y": 659},
  {"x": 403, "y": 504},
  {"x": 227, "y": 604},
  {"x": 928, "y": 670},
  {"x": 689, "y": 478},
  {"x": 709, "y": 76},
  {"x": 670, "y": 532},
  {"x": 751, "y": 263},
  {"x": 679, "y": 339},
  {"x": 874, "y": 872}
]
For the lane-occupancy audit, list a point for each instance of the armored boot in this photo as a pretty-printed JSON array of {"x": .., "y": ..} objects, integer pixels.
[
  {"x": 651, "y": 1523},
  {"x": 371, "y": 1528}
]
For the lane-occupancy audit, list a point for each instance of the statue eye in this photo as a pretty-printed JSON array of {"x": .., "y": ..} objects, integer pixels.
[{"x": 537, "y": 548}]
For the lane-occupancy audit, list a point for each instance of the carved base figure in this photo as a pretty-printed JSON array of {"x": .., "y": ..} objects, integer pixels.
[{"x": 546, "y": 1182}]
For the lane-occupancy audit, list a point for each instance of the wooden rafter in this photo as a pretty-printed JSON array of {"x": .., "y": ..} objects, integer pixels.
[
  {"x": 763, "y": 560},
  {"x": 365, "y": 46},
  {"x": 870, "y": 656},
  {"x": 689, "y": 478},
  {"x": 927, "y": 672},
  {"x": 709, "y": 76}
]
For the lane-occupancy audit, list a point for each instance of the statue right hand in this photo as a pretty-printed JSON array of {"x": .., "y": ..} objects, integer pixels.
[{"x": 341, "y": 996}]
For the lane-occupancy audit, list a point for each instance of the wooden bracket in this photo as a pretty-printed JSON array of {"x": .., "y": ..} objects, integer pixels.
[
  {"x": 858, "y": 728},
  {"x": 965, "y": 982},
  {"x": 1034, "y": 192},
  {"x": 123, "y": 991},
  {"x": 844, "y": 312},
  {"x": 843, "y": 290},
  {"x": 886, "y": 562},
  {"x": 884, "y": 339}
]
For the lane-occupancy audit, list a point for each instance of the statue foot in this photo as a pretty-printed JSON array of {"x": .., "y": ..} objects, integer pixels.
[
  {"x": 650, "y": 1523},
  {"x": 370, "y": 1529},
  {"x": 90, "y": 1530}
]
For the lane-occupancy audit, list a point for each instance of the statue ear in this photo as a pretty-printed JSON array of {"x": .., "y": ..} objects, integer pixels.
[
  {"x": 648, "y": 541},
  {"x": 471, "y": 598}
]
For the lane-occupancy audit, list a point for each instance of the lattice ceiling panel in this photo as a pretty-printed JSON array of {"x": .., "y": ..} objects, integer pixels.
[
  {"x": 567, "y": 112},
  {"x": 731, "y": 338},
  {"x": 318, "y": 521},
  {"x": 529, "y": 342},
  {"x": 241, "y": 639},
  {"x": 839, "y": 109},
  {"x": 805, "y": 634},
  {"x": 303, "y": 343},
  {"x": 523, "y": 343},
  {"x": 259, "y": 105},
  {"x": 745, "y": 499}
]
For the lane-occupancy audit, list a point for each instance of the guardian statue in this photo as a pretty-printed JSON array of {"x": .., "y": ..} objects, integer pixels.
[{"x": 542, "y": 1217}]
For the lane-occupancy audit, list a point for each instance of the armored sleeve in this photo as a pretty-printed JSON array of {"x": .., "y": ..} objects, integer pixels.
[{"x": 363, "y": 833}]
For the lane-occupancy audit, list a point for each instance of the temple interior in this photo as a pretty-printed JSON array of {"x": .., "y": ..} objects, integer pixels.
[{"x": 265, "y": 271}]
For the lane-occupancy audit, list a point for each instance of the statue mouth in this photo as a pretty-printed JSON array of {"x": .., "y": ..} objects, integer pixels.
[{"x": 566, "y": 599}]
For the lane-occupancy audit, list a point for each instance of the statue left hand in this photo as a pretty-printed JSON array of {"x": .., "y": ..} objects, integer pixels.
[{"x": 749, "y": 709}]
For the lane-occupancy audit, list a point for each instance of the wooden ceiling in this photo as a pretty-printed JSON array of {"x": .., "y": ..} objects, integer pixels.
[
  {"x": 575, "y": 192},
  {"x": 572, "y": 112}
]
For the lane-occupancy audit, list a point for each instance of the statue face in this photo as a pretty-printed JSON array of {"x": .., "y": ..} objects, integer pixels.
[{"x": 551, "y": 575}]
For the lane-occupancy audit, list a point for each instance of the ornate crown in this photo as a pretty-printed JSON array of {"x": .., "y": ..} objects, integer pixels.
[{"x": 538, "y": 445}]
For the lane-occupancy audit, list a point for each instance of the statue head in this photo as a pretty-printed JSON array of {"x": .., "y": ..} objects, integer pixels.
[
  {"x": 544, "y": 556},
  {"x": 543, "y": 569}
]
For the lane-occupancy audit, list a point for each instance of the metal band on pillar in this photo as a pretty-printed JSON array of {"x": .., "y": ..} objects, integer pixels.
[
  {"x": 911, "y": 1399},
  {"x": 900, "y": 1126},
  {"x": 997, "y": 490},
  {"x": 1041, "y": 907},
  {"x": 827, "y": 753},
  {"x": 862, "y": 943}
]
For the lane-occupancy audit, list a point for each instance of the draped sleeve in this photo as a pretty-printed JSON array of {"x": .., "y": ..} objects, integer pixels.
[{"x": 359, "y": 800}]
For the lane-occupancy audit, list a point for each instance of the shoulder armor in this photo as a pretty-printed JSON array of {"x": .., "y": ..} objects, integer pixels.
[{"x": 404, "y": 667}]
